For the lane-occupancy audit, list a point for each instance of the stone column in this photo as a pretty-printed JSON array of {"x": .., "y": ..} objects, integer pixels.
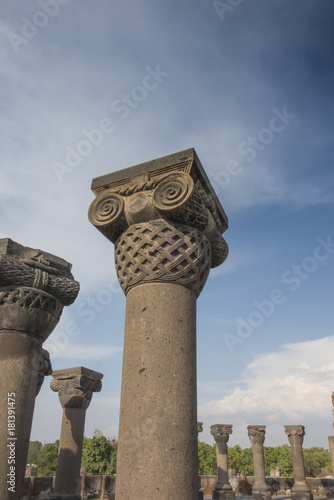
[
  {"x": 331, "y": 441},
  {"x": 83, "y": 475},
  {"x": 260, "y": 490},
  {"x": 34, "y": 288},
  {"x": 300, "y": 490},
  {"x": 75, "y": 387},
  {"x": 223, "y": 489},
  {"x": 166, "y": 223},
  {"x": 200, "y": 429},
  {"x": 331, "y": 451}
]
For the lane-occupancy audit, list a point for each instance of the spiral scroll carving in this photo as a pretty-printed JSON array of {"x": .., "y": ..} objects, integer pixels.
[
  {"x": 257, "y": 435},
  {"x": 106, "y": 213},
  {"x": 75, "y": 392},
  {"x": 295, "y": 434},
  {"x": 221, "y": 433},
  {"x": 156, "y": 251},
  {"x": 173, "y": 192}
]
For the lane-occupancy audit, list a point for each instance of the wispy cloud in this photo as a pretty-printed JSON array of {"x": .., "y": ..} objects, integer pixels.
[{"x": 292, "y": 383}]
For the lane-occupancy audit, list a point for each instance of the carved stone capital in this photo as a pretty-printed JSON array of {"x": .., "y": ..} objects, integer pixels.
[
  {"x": 256, "y": 433},
  {"x": 199, "y": 427},
  {"x": 221, "y": 432},
  {"x": 172, "y": 193},
  {"x": 34, "y": 288},
  {"x": 75, "y": 386},
  {"x": 160, "y": 252},
  {"x": 45, "y": 368},
  {"x": 295, "y": 434}
]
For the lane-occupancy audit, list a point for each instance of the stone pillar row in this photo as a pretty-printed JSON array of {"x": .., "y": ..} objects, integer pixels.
[
  {"x": 260, "y": 490},
  {"x": 166, "y": 224},
  {"x": 34, "y": 288}
]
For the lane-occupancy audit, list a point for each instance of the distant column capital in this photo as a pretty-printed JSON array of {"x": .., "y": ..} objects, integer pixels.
[
  {"x": 75, "y": 386},
  {"x": 295, "y": 434},
  {"x": 199, "y": 427},
  {"x": 256, "y": 433},
  {"x": 221, "y": 432}
]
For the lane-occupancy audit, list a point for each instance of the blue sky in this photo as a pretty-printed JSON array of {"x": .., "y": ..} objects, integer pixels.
[{"x": 250, "y": 87}]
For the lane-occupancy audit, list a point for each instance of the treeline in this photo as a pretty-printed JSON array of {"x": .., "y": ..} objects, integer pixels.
[
  {"x": 99, "y": 456},
  {"x": 241, "y": 460}
]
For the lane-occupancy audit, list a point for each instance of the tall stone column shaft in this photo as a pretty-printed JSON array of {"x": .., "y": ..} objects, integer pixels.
[
  {"x": 166, "y": 223},
  {"x": 75, "y": 387},
  {"x": 223, "y": 490},
  {"x": 158, "y": 398},
  {"x": 300, "y": 490},
  {"x": 34, "y": 288},
  {"x": 201, "y": 493},
  {"x": 331, "y": 441},
  {"x": 331, "y": 451},
  {"x": 260, "y": 490}
]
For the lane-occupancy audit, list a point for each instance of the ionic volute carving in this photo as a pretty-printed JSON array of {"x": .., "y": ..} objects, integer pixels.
[
  {"x": 221, "y": 433},
  {"x": 165, "y": 224},
  {"x": 295, "y": 434},
  {"x": 256, "y": 433},
  {"x": 75, "y": 388}
]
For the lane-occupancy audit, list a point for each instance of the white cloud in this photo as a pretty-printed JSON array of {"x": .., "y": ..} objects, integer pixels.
[{"x": 292, "y": 383}]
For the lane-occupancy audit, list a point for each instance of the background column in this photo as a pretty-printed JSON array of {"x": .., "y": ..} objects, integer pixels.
[
  {"x": 331, "y": 441},
  {"x": 34, "y": 287},
  {"x": 223, "y": 489},
  {"x": 200, "y": 429},
  {"x": 75, "y": 387},
  {"x": 260, "y": 490},
  {"x": 300, "y": 490}
]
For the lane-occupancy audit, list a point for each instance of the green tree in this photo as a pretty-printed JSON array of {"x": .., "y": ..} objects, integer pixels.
[
  {"x": 33, "y": 451},
  {"x": 47, "y": 459},
  {"x": 316, "y": 459},
  {"x": 241, "y": 460},
  {"x": 99, "y": 455},
  {"x": 207, "y": 459}
]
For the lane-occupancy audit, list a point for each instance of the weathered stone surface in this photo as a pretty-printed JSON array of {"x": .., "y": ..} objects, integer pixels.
[
  {"x": 260, "y": 490},
  {"x": 300, "y": 490},
  {"x": 223, "y": 489},
  {"x": 45, "y": 369},
  {"x": 34, "y": 288},
  {"x": 173, "y": 189},
  {"x": 331, "y": 449},
  {"x": 166, "y": 223},
  {"x": 75, "y": 387},
  {"x": 199, "y": 427}
]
